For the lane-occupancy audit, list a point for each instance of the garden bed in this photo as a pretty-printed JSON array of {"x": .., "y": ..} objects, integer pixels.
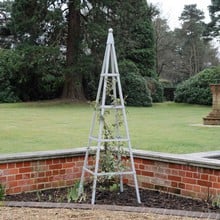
[{"x": 149, "y": 198}]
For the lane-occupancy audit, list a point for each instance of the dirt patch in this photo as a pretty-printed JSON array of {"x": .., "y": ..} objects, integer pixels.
[{"x": 149, "y": 198}]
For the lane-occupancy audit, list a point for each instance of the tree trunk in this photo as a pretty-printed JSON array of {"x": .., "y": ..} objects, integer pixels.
[{"x": 73, "y": 88}]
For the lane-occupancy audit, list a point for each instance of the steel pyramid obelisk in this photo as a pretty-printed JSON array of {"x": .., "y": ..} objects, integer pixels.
[{"x": 109, "y": 101}]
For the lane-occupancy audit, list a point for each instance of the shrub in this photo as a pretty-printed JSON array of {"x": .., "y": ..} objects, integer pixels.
[
  {"x": 134, "y": 87},
  {"x": 196, "y": 90},
  {"x": 156, "y": 89}
]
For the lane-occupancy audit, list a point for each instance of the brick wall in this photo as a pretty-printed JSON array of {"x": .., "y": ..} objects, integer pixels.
[
  {"x": 41, "y": 174},
  {"x": 187, "y": 180},
  {"x": 45, "y": 170}
]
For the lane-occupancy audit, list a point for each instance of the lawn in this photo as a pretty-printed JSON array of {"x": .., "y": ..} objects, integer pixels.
[{"x": 165, "y": 127}]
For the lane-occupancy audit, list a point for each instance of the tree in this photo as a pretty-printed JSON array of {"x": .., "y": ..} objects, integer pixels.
[
  {"x": 163, "y": 44},
  {"x": 54, "y": 23},
  {"x": 184, "y": 51},
  {"x": 6, "y": 39},
  {"x": 80, "y": 27},
  {"x": 192, "y": 30},
  {"x": 134, "y": 41},
  {"x": 73, "y": 88},
  {"x": 214, "y": 26},
  {"x": 192, "y": 46}
]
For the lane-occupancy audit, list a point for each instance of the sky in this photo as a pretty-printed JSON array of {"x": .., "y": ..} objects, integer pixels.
[{"x": 172, "y": 9}]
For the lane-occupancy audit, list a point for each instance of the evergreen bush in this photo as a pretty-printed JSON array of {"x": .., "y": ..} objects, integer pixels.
[
  {"x": 134, "y": 87},
  {"x": 196, "y": 89}
]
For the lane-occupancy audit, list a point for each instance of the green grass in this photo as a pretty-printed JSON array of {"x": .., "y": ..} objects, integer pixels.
[{"x": 165, "y": 127}]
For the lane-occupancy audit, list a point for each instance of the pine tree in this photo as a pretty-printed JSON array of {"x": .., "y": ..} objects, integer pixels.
[{"x": 214, "y": 25}]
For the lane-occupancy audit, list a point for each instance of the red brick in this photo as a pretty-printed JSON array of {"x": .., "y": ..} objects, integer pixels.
[
  {"x": 138, "y": 160},
  {"x": 12, "y": 184},
  {"x": 147, "y": 185},
  {"x": 56, "y": 161},
  {"x": 174, "y": 178},
  {"x": 62, "y": 160},
  {"x": 55, "y": 172},
  {"x": 204, "y": 176},
  {"x": 217, "y": 172},
  {"x": 67, "y": 165},
  {"x": 190, "y": 168},
  {"x": 182, "y": 173},
  {"x": 48, "y": 185},
  {"x": 189, "y": 180},
  {"x": 174, "y": 184},
  {"x": 70, "y": 182},
  {"x": 40, "y": 186},
  {"x": 175, "y": 166},
  {"x": 216, "y": 185},
  {"x": 204, "y": 183},
  {"x": 33, "y": 187},
  {"x": 149, "y": 162},
  {"x": 138, "y": 172},
  {"x": 11, "y": 178},
  {"x": 19, "y": 177},
  {"x": 69, "y": 160},
  {"x": 161, "y": 176},
  {"x": 11, "y": 165},
  {"x": 50, "y": 178},
  {"x": 79, "y": 163},
  {"x": 207, "y": 171},
  {"x": 49, "y": 162},
  {"x": 25, "y": 188},
  {"x": 18, "y": 165},
  {"x": 181, "y": 185},
  {"x": 42, "y": 180},
  {"x": 27, "y": 163},
  {"x": 196, "y": 175},
  {"x": 213, "y": 178},
  {"x": 41, "y": 174},
  {"x": 55, "y": 166},
  {"x": 48, "y": 173},
  {"x": 25, "y": 170},
  {"x": 2, "y": 179},
  {"x": 17, "y": 190},
  {"x": 173, "y": 190},
  {"x": 141, "y": 166},
  {"x": 189, "y": 174},
  {"x": 55, "y": 184},
  {"x": 189, "y": 187},
  {"x": 13, "y": 171},
  {"x": 188, "y": 193},
  {"x": 174, "y": 172},
  {"x": 62, "y": 172},
  {"x": 3, "y": 166},
  {"x": 147, "y": 173}
]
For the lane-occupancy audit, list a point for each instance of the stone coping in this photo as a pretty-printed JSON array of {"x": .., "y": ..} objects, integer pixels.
[
  {"x": 203, "y": 159},
  {"x": 41, "y": 155}
]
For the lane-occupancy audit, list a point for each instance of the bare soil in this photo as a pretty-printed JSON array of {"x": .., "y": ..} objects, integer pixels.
[{"x": 149, "y": 198}]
